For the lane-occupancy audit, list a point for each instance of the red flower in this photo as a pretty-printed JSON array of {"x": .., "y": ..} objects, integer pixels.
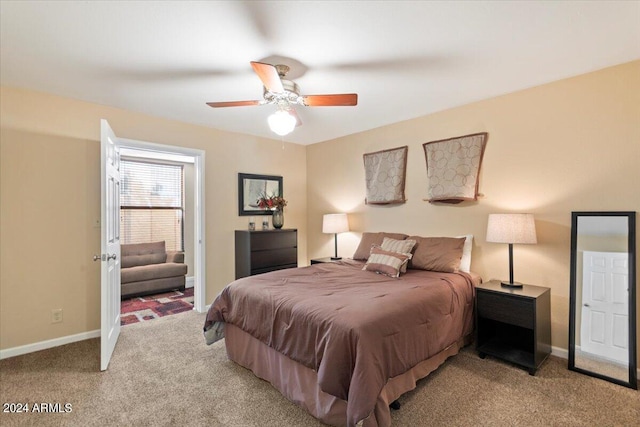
[{"x": 271, "y": 202}]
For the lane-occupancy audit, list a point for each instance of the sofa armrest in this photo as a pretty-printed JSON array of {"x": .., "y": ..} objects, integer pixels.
[{"x": 174, "y": 256}]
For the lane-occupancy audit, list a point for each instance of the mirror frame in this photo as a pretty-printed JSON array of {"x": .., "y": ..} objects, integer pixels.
[
  {"x": 631, "y": 218},
  {"x": 243, "y": 200}
]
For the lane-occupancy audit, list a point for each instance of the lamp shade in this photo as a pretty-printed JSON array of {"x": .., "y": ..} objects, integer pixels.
[
  {"x": 511, "y": 228},
  {"x": 281, "y": 122},
  {"x": 335, "y": 223}
]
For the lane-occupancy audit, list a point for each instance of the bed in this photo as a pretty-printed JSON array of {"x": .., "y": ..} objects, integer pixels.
[{"x": 342, "y": 340}]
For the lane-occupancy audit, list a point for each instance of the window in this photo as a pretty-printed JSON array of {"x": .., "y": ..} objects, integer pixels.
[{"x": 152, "y": 203}]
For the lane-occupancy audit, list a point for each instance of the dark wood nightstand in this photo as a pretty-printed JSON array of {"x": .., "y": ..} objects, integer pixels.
[
  {"x": 322, "y": 260},
  {"x": 514, "y": 324}
]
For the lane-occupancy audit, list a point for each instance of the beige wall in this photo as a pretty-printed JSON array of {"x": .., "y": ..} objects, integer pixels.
[
  {"x": 572, "y": 145},
  {"x": 50, "y": 198}
]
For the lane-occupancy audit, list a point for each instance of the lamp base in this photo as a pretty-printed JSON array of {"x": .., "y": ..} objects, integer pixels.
[
  {"x": 336, "y": 258},
  {"x": 511, "y": 284}
]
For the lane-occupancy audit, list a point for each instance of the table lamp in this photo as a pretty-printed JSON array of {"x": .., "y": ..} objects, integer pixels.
[
  {"x": 511, "y": 228},
  {"x": 335, "y": 223}
]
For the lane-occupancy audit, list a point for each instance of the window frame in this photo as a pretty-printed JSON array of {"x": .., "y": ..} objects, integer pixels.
[{"x": 181, "y": 208}]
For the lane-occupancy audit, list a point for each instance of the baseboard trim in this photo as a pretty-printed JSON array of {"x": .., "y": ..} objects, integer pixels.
[
  {"x": 560, "y": 352},
  {"x": 43, "y": 345},
  {"x": 190, "y": 282}
]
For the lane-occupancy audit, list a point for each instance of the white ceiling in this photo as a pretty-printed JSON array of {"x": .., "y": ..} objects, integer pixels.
[{"x": 405, "y": 59}]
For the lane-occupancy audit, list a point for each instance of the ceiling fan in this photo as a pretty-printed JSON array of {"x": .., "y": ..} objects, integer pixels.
[{"x": 285, "y": 94}]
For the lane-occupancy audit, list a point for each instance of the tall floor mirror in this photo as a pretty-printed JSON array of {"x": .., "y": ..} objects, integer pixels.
[{"x": 602, "y": 323}]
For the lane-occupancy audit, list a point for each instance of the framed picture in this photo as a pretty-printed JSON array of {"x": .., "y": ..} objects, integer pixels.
[{"x": 252, "y": 187}]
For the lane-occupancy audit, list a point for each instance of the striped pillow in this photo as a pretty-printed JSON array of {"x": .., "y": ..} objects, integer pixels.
[
  {"x": 386, "y": 262},
  {"x": 369, "y": 239},
  {"x": 400, "y": 246}
]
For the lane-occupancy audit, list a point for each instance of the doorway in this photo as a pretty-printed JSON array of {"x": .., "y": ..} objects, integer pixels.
[
  {"x": 156, "y": 218},
  {"x": 194, "y": 191}
]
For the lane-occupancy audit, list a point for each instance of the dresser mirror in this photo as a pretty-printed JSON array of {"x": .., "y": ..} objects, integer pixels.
[{"x": 602, "y": 323}]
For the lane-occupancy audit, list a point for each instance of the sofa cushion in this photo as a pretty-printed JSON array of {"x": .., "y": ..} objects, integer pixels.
[
  {"x": 152, "y": 286},
  {"x": 153, "y": 271},
  {"x": 175, "y": 256},
  {"x": 136, "y": 254}
]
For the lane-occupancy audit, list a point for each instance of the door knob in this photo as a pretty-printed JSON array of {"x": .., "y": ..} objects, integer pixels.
[
  {"x": 586, "y": 305},
  {"x": 105, "y": 257}
]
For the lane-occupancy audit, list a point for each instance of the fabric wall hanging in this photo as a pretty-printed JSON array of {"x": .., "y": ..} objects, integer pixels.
[
  {"x": 385, "y": 173},
  {"x": 453, "y": 166}
]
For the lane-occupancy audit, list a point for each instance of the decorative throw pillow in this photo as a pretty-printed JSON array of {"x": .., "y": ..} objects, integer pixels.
[
  {"x": 400, "y": 246},
  {"x": 385, "y": 262},
  {"x": 370, "y": 239},
  {"x": 437, "y": 253}
]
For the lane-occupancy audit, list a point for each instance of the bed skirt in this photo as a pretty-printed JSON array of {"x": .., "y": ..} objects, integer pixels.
[{"x": 299, "y": 384}]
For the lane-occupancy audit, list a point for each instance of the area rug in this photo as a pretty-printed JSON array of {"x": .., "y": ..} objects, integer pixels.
[{"x": 150, "y": 307}]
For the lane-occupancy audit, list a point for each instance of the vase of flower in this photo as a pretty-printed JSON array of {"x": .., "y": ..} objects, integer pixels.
[
  {"x": 277, "y": 218},
  {"x": 276, "y": 204}
]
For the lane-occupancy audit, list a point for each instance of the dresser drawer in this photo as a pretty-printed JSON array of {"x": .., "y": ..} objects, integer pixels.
[
  {"x": 273, "y": 240},
  {"x": 275, "y": 257},
  {"x": 506, "y": 308}
]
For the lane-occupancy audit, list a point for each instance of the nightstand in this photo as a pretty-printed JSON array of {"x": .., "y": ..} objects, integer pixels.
[
  {"x": 323, "y": 260},
  {"x": 514, "y": 324}
]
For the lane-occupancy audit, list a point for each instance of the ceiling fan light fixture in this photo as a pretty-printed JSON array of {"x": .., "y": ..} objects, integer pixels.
[
  {"x": 285, "y": 94},
  {"x": 281, "y": 122}
]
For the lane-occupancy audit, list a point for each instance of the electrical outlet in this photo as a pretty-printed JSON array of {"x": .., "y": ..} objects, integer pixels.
[{"x": 56, "y": 315}]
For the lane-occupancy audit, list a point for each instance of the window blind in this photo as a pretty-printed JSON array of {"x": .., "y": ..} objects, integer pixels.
[{"x": 151, "y": 203}]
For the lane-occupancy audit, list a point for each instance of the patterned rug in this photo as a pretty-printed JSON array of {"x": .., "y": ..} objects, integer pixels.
[{"x": 149, "y": 307}]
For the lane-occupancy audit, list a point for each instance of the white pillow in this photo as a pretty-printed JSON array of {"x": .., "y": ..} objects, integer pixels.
[{"x": 465, "y": 261}]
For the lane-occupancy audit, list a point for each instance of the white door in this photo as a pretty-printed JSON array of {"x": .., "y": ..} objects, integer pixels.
[
  {"x": 605, "y": 305},
  {"x": 110, "y": 243}
]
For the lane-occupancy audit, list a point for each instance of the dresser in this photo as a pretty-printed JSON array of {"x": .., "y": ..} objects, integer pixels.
[
  {"x": 265, "y": 250},
  {"x": 514, "y": 324}
]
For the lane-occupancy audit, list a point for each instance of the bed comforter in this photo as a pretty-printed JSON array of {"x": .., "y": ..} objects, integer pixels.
[{"x": 355, "y": 328}]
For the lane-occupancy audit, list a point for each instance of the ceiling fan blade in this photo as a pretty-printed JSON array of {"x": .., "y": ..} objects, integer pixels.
[
  {"x": 342, "y": 99},
  {"x": 232, "y": 104},
  {"x": 269, "y": 76}
]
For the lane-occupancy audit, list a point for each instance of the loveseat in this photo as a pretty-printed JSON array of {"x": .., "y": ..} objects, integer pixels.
[{"x": 147, "y": 268}]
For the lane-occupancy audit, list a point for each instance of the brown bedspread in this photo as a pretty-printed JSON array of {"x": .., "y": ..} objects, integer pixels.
[{"x": 355, "y": 328}]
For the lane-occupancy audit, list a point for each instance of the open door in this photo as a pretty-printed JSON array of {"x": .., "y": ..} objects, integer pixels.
[{"x": 110, "y": 243}]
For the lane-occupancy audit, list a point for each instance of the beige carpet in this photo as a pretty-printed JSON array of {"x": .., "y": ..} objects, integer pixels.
[{"x": 162, "y": 373}]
